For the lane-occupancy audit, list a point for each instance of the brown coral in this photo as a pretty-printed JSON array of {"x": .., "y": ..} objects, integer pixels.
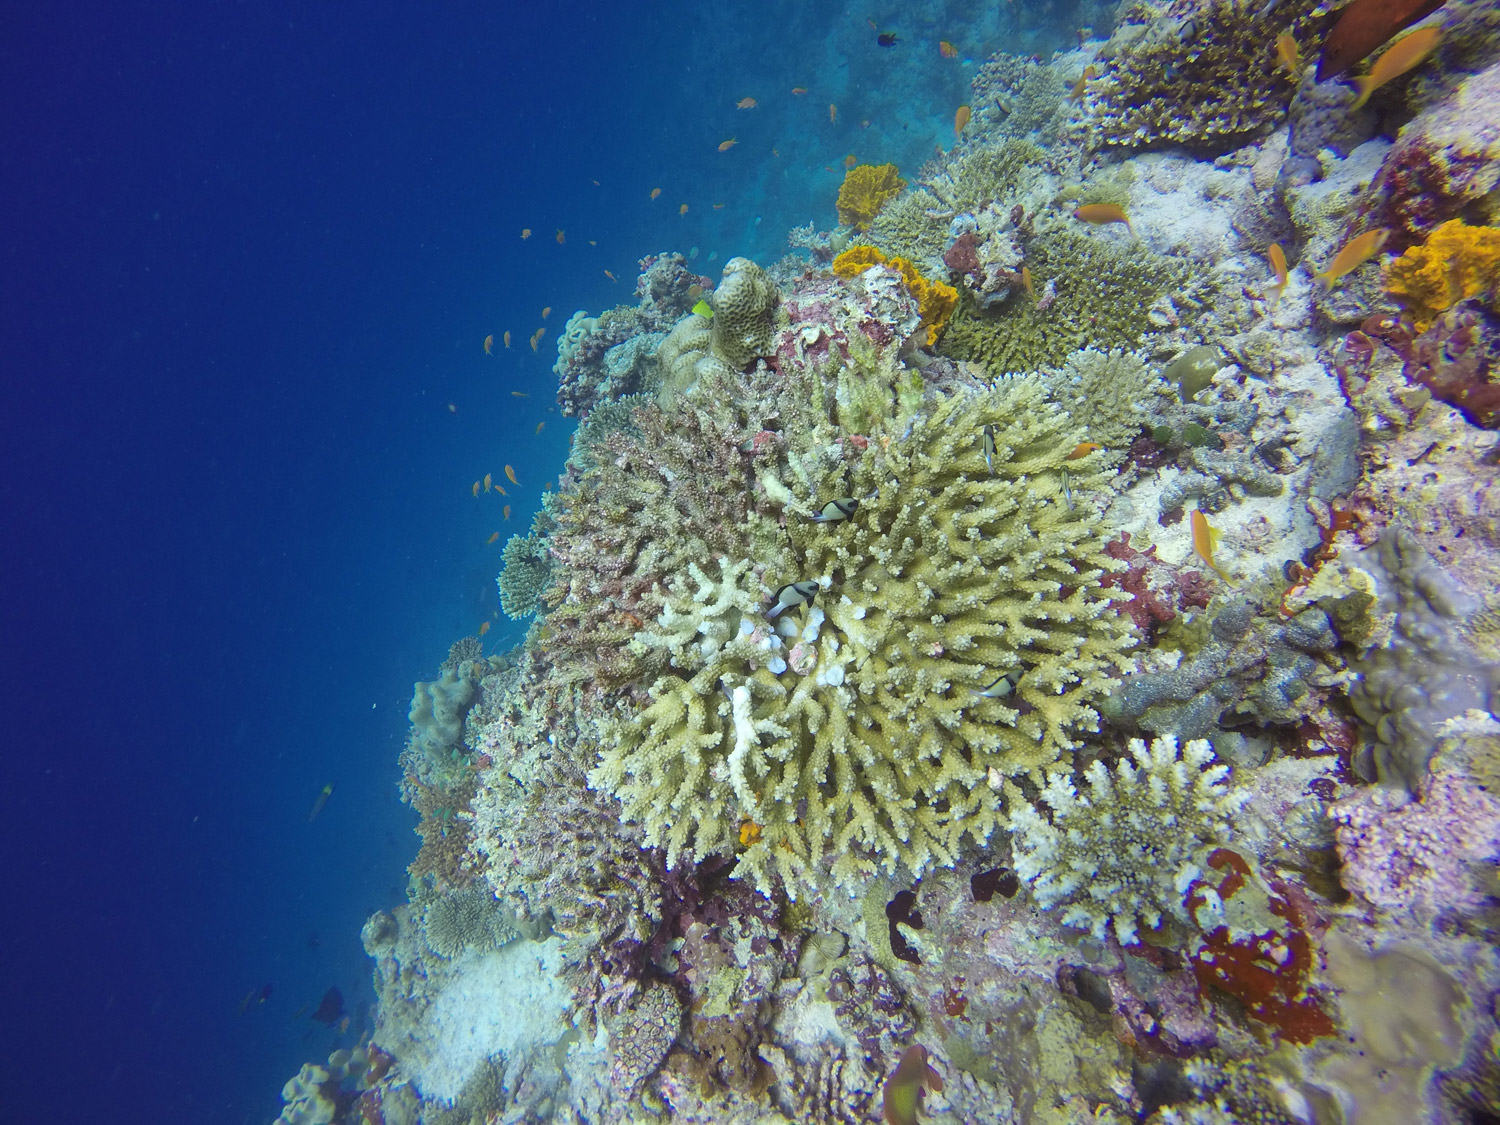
[{"x": 865, "y": 190}]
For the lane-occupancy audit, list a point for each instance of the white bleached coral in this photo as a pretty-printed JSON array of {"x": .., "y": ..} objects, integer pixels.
[{"x": 1128, "y": 850}]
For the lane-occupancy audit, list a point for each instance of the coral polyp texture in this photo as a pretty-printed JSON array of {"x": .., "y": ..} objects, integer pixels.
[
  {"x": 865, "y": 190},
  {"x": 1123, "y": 855},
  {"x": 959, "y": 630}
]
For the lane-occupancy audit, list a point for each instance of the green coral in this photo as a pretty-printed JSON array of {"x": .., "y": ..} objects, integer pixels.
[
  {"x": 1104, "y": 298},
  {"x": 526, "y": 570},
  {"x": 861, "y": 728},
  {"x": 1111, "y": 393},
  {"x": 1202, "y": 74},
  {"x": 1127, "y": 851}
]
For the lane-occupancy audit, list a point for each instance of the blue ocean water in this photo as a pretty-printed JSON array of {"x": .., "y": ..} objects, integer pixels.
[{"x": 251, "y": 253}]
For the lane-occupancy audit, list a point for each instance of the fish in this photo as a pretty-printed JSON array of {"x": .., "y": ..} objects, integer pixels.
[
  {"x": 501, "y": 490},
  {"x": 510, "y": 475},
  {"x": 1205, "y": 538},
  {"x": 489, "y": 344},
  {"x": 851, "y": 160},
  {"x": 1355, "y": 253},
  {"x": 746, "y": 103},
  {"x": 947, "y": 49},
  {"x": 476, "y": 489},
  {"x": 494, "y": 535},
  {"x": 453, "y": 408},
  {"x": 1288, "y": 55},
  {"x": 799, "y": 90},
  {"x": 546, "y": 311},
  {"x": 887, "y": 39},
  {"x": 1082, "y": 449},
  {"x": 1083, "y": 80},
  {"x": 320, "y": 802},
  {"x": 506, "y": 338},
  {"x": 484, "y": 627},
  {"x": 718, "y": 206},
  {"x": 836, "y": 510},
  {"x": 725, "y": 146},
  {"x": 1003, "y": 685},
  {"x": 655, "y": 192},
  {"x": 609, "y": 275},
  {"x": 536, "y": 338},
  {"x": 1363, "y": 26},
  {"x": 833, "y": 113},
  {"x": 682, "y": 210},
  {"x": 1404, "y": 54},
  {"x": 525, "y": 233},
  {"x": 1067, "y": 488},
  {"x": 960, "y": 118},
  {"x": 520, "y": 394},
  {"x": 539, "y": 426},
  {"x": 989, "y": 447},
  {"x": 913, "y": 1076},
  {"x": 873, "y": 25},
  {"x": 331, "y": 1009},
  {"x": 791, "y": 595},
  {"x": 561, "y": 238},
  {"x": 1277, "y": 257},
  {"x": 505, "y": 512},
  {"x": 704, "y": 309},
  {"x": 1099, "y": 213},
  {"x": 488, "y": 481},
  {"x": 1026, "y": 281}
]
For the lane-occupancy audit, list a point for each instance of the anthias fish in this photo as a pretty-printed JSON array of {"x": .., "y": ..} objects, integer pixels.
[
  {"x": 1404, "y": 54},
  {"x": 1102, "y": 213},
  {"x": 1355, "y": 253},
  {"x": 1364, "y": 26}
]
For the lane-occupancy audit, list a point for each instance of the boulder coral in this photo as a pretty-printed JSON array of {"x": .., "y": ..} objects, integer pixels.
[{"x": 960, "y": 634}]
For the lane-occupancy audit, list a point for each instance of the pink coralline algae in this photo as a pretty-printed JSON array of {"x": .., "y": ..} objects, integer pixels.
[
  {"x": 824, "y": 311},
  {"x": 1457, "y": 358},
  {"x": 1160, "y": 590}
]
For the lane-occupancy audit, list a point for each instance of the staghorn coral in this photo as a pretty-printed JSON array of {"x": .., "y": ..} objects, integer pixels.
[
  {"x": 1197, "y": 73},
  {"x": 1111, "y": 393},
  {"x": 856, "y": 730},
  {"x": 1125, "y": 853},
  {"x": 865, "y": 190},
  {"x": 468, "y": 920},
  {"x": 525, "y": 572},
  {"x": 1455, "y": 263},
  {"x": 935, "y": 299}
]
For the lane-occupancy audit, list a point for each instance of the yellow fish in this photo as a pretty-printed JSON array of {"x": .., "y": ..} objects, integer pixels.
[
  {"x": 500, "y": 488},
  {"x": 746, "y": 103},
  {"x": 655, "y": 192},
  {"x": 1026, "y": 281},
  {"x": 1277, "y": 257},
  {"x": 560, "y": 237},
  {"x": 484, "y": 627},
  {"x": 725, "y": 146},
  {"x": 609, "y": 275},
  {"x": 799, "y": 90},
  {"x": 536, "y": 338},
  {"x": 914, "y": 1076},
  {"x": 525, "y": 233},
  {"x": 506, "y": 338},
  {"x": 1401, "y": 56},
  {"x": 1205, "y": 538},
  {"x": 1083, "y": 81},
  {"x": 539, "y": 426},
  {"x": 489, "y": 344},
  {"x": 488, "y": 480},
  {"x": 545, "y": 311},
  {"x": 493, "y": 536},
  {"x": 682, "y": 210},
  {"x": 833, "y": 113},
  {"x": 476, "y": 489},
  {"x": 1082, "y": 449},
  {"x": 851, "y": 160},
  {"x": 1288, "y": 55},
  {"x": 1355, "y": 253},
  {"x": 1098, "y": 213},
  {"x": 505, "y": 511},
  {"x": 960, "y": 118},
  {"x": 510, "y": 475}
]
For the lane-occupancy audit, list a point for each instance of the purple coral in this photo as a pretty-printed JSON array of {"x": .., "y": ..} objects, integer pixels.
[
  {"x": 1457, "y": 358},
  {"x": 1158, "y": 590}
]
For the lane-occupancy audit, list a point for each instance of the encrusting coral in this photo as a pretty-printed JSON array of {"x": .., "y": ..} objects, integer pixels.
[
  {"x": 960, "y": 634},
  {"x": 1455, "y": 263},
  {"x": 1126, "y": 852},
  {"x": 865, "y": 190}
]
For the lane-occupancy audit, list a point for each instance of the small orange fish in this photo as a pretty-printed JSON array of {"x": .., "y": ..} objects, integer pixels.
[
  {"x": 1083, "y": 80},
  {"x": 501, "y": 490},
  {"x": 488, "y": 480},
  {"x": 725, "y": 146},
  {"x": 594, "y": 182},
  {"x": 494, "y": 535},
  {"x": 539, "y": 426},
  {"x": 682, "y": 210},
  {"x": 505, "y": 511},
  {"x": 560, "y": 238},
  {"x": 525, "y": 233},
  {"x": 489, "y": 344},
  {"x": 873, "y": 25},
  {"x": 592, "y": 242},
  {"x": 1288, "y": 55},
  {"x": 536, "y": 338},
  {"x": 1356, "y": 252},
  {"x": 1205, "y": 538},
  {"x": 484, "y": 627},
  {"x": 799, "y": 90},
  {"x": 521, "y": 394},
  {"x": 746, "y": 103},
  {"x": 1026, "y": 281},
  {"x": 851, "y": 160},
  {"x": 1100, "y": 213},
  {"x": 833, "y": 113},
  {"x": 476, "y": 489},
  {"x": 1082, "y": 449},
  {"x": 609, "y": 275},
  {"x": 1277, "y": 258},
  {"x": 1402, "y": 55},
  {"x": 510, "y": 475},
  {"x": 960, "y": 119},
  {"x": 506, "y": 338},
  {"x": 947, "y": 49},
  {"x": 655, "y": 192},
  {"x": 546, "y": 309},
  {"x": 914, "y": 1076}
]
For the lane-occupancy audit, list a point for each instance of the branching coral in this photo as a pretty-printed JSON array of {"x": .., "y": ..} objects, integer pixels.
[
  {"x": 525, "y": 571},
  {"x": 936, "y": 300},
  {"x": 865, "y": 190},
  {"x": 1112, "y": 393},
  {"x": 864, "y": 728},
  {"x": 1127, "y": 852},
  {"x": 1455, "y": 263}
]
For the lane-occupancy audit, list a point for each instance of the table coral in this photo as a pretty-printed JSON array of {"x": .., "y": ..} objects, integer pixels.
[
  {"x": 1124, "y": 854},
  {"x": 525, "y": 572},
  {"x": 863, "y": 727},
  {"x": 865, "y": 190},
  {"x": 1455, "y": 263},
  {"x": 466, "y": 920}
]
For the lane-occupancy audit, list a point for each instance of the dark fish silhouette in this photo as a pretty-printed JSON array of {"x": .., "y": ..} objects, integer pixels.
[
  {"x": 331, "y": 1010},
  {"x": 1365, "y": 25},
  {"x": 886, "y": 38}
]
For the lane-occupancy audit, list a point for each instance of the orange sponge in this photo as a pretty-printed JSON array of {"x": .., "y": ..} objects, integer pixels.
[
  {"x": 866, "y": 189},
  {"x": 1455, "y": 263},
  {"x": 935, "y": 299}
]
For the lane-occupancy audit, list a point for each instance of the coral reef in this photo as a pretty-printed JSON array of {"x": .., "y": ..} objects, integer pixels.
[
  {"x": 1112, "y": 393},
  {"x": 468, "y": 920},
  {"x": 1150, "y": 827},
  {"x": 1455, "y": 263},
  {"x": 438, "y": 708},
  {"x": 642, "y": 1036},
  {"x": 744, "y": 307},
  {"x": 525, "y": 573},
  {"x": 935, "y": 299},
  {"x": 865, "y": 190}
]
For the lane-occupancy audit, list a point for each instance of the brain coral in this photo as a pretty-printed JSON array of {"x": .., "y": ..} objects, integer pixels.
[
  {"x": 865, "y": 190},
  {"x": 744, "y": 313},
  {"x": 960, "y": 634},
  {"x": 1130, "y": 848},
  {"x": 1199, "y": 73}
]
